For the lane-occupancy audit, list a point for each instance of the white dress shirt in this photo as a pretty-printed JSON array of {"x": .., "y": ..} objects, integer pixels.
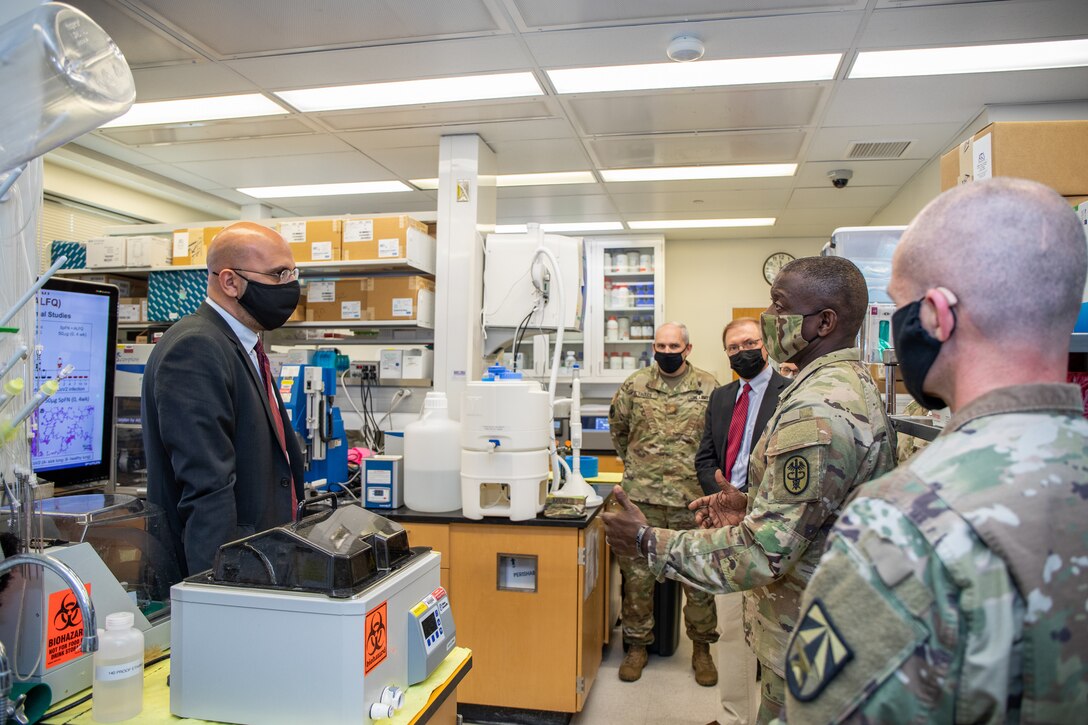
[
  {"x": 246, "y": 336},
  {"x": 739, "y": 475}
]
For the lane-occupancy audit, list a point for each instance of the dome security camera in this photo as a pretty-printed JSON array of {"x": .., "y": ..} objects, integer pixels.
[
  {"x": 840, "y": 177},
  {"x": 685, "y": 48}
]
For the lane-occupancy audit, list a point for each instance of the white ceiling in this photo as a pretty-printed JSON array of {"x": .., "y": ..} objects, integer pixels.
[{"x": 210, "y": 47}]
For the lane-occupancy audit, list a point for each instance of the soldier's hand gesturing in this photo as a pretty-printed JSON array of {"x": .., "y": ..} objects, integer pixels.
[
  {"x": 725, "y": 508},
  {"x": 621, "y": 525}
]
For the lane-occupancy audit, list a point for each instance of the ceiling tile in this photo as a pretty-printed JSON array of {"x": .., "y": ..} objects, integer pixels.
[
  {"x": 526, "y": 157},
  {"x": 665, "y": 187},
  {"x": 696, "y": 204},
  {"x": 735, "y": 38},
  {"x": 405, "y": 61},
  {"x": 247, "y": 149},
  {"x": 850, "y": 197},
  {"x": 522, "y": 192},
  {"x": 408, "y": 202},
  {"x": 491, "y": 132},
  {"x": 536, "y": 15},
  {"x": 967, "y": 23},
  {"x": 833, "y": 218},
  {"x": 428, "y": 116},
  {"x": 243, "y": 128},
  {"x": 281, "y": 170},
  {"x": 191, "y": 80},
  {"x": 419, "y": 162},
  {"x": 188, "y": 178},
  {"x": 113, "y": 150},
  {"x": 721, "y": 148},
  {"x": 927, "y": 139},
  {"x": 141, "y": 42},
  {"x": 718, "y": 110},
  {"x": 550, "y": 208},
  {"x": 313, "y": 24},
  {"x": 866, "y": 173}
]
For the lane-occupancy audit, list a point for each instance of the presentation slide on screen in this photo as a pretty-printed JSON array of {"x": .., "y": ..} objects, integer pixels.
[{"x": 73, "y": 329}]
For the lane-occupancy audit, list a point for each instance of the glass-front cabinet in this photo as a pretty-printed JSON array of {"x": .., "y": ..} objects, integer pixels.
[{"x": 625, "y": 302}]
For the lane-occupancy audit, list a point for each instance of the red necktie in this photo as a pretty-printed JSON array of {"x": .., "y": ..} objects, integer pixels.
[
  {"x": 736, "y": 431},
  {"x": 274, "y": 404}
]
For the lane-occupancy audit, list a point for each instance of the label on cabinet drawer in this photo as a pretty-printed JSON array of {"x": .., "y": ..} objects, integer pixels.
[{"x": 321, "y": 291}]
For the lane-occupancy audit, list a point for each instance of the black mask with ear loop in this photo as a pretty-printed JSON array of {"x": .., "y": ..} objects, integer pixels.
[
  {"x": 270, "y": 304},
  {"x": 916, "y": 350}
]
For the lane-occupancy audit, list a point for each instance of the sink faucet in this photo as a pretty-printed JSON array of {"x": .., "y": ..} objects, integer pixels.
[{"x": 86, "y": 610}]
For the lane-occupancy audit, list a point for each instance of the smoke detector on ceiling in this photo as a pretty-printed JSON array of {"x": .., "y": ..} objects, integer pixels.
[{"x": 685, "y": 48}]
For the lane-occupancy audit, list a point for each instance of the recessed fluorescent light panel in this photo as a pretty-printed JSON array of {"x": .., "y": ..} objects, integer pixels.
[
  {"x": 970, "y": 59},
  {"x": 543, "y": 179},
  {"x": 187, "y": 110},
  {"x": 412, "y": 93},
  {"x": 702, "y": 223},
  {"x": 682, "y": 173},
  {"x": 562, "y": 227},
  {"x": 702, "y": 73},
  {"x": 357, "y": 187}
]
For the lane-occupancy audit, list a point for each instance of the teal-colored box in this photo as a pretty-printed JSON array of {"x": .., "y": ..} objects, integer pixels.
[
  {"x": 173, "y": 295},
  {"x": 75, "y": 251}
]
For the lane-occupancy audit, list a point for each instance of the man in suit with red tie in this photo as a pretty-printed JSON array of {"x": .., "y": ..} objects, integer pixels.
[
  {"x": 221, "y": 460},
  {"x": 735, "y": 418}
]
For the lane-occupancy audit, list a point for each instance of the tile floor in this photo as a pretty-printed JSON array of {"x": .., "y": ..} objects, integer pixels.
[{"x": 666, "y": 693}]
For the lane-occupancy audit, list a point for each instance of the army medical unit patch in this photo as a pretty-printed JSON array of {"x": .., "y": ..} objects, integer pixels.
[
  {"x": 817, "y": 653},
  {"x": 795, "y": 473}
]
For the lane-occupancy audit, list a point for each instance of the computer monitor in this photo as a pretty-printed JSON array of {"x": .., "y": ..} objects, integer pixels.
[{"x": 76, "y": 323}]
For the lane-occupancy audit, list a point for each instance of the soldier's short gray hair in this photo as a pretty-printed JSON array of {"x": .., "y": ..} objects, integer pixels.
[
  {"x": 683, "y": 330},
  {"x": 1012, "y": 251}
]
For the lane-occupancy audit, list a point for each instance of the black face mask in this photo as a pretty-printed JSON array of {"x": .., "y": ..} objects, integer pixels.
[
  {"x": 270, "y": 304},
  {"x": 916, "y": 350},
  {"x": 747, "y": 363},
  {"x": 669, "y": 362}
]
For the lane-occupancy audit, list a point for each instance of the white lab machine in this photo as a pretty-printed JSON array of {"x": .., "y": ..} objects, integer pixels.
[
  {"x": 506, "y": 433},
  {"x": 323, "y": 620}
]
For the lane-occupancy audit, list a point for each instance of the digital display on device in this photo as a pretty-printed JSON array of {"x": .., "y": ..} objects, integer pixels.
[
  {"x": 430, "y": 624},
  {"x": 599, "y": 422},
  {"x": 76, "y": 324}
]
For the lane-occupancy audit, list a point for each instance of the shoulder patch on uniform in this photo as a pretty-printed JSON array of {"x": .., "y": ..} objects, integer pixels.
[
  {"x": 816, "y": 655},
  {"x": 796, "y": 474}
]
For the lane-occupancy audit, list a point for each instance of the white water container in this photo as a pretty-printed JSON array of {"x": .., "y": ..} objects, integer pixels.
[
  {"x": 432, "y": 459},
  {"x": 118, "y": 692}
]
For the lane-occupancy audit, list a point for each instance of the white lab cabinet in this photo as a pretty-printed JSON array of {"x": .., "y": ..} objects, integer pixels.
[{"x": 625, "y": 281}]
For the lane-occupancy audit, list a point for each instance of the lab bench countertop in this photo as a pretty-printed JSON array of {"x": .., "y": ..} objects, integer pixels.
[{"x": 412, "y": 516}]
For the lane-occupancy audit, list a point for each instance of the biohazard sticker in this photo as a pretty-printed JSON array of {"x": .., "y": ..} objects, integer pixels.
[
  {"x": 377, "y": 637},
  {"x": 795, "y": 474},
  {"x": 64, "y": 628}
]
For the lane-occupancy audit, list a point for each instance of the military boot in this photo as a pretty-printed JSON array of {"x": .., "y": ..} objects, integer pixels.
[
  {"x": 633, "y": 662},
  {"x": 706, "y": 674}
]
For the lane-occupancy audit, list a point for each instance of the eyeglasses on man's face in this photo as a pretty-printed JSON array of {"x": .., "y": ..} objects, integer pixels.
[
  {"x": 284, "y": 275},
  {"x": 743, "y": 345}
]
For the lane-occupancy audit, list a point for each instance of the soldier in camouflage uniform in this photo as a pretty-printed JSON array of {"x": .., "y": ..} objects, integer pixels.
[
  {"x": 656, "y": 420},
  {"x": 828, "y": 435},
  {"x": 956, "y": 588}
]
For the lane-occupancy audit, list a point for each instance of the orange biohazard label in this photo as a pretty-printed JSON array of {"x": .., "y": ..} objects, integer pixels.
[
  {"x": 64, "y": 628},
  {"x": 377, "y": 638}
]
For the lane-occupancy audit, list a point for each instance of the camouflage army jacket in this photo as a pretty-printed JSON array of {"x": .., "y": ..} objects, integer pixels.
[
  {"x": 828, "y": 436},
  {"x": 656, "y": 428},
  {"x": 956, "y": 588}
]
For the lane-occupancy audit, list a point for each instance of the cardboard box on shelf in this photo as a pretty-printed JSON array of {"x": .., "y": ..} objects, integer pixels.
[
  {"x": 313, "y": 241},
  {"x": 1050, "y": 152},
  {"x": 191, "y": 245},
  {"x": 388, "y": 238},
  {"x": 128, "y": 286},
  {"x": 106, "y": 252},
  {"x": 76, "y": 252},
  {"x": 149, "y": 251},
  {"x": 402, "y": 298},
  {"x": 344, "y": 300},
  {"x": 299, "y": 315},
  {"x": 132, "y": 309}
]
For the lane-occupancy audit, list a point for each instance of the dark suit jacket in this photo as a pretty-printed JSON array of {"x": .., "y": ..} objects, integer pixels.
[
  {"x": 214, "y": 463},
  {"x": 711, "y": 453}
]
